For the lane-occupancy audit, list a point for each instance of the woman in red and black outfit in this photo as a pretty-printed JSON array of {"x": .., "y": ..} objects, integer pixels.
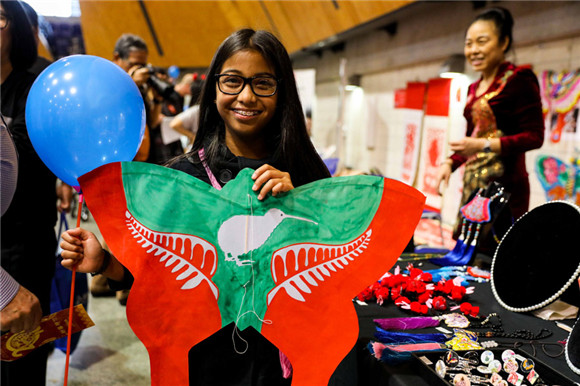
[{"x": 503, "y": 112}]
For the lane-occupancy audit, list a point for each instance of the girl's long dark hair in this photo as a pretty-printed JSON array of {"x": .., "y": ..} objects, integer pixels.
[
  {"x": 286, "y": 135},
  {"x": 23, "y": 50}
]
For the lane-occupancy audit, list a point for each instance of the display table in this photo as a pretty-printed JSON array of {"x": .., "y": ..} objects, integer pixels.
[{"x": 361, "y": 368}]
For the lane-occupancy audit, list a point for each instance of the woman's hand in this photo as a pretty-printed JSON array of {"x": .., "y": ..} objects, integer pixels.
[
  {"x": 443, "y": 175},
  {"x": 467, "y": 146},
  {"x": 269, "y": 179},
  {"x": 81, "y": 249}
]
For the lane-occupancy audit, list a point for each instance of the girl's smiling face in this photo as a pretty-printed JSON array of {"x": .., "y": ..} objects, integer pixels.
[{"x": 246, "y": 115}]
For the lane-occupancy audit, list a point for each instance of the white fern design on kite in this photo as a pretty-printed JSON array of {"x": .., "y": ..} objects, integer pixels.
[
  {"x": 321, "y": 258},
  {"x": 193, "y": 256}
]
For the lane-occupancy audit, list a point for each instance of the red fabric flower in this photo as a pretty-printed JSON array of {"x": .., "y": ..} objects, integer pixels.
[
  {"x": 468, "y": 309},
  {"x": 402, "y": 300},
  {"x": 365, "y": 295},
  {"x": 420, "y": 287},
  {"x": 424, "y": 297},
  {"x": 419, "y": 308},
  {"x": 457, "y": 292},
  {"x": 427, "y": 277},
  {"x": 382, "y": 294},
  {"x": 395, "y": 293},
  {"x": 439, "y": 303},
  {"x": 443, "y": 286},
  {"x": 415, "y": 272},
  {"x": 375, "y": 287}
]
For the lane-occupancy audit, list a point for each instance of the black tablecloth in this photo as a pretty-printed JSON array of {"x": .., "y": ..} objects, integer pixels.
[{"x": 359, "y": 367}]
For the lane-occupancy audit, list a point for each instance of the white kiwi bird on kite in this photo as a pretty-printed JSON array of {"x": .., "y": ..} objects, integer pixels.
[{"x": 241, "y": 234}]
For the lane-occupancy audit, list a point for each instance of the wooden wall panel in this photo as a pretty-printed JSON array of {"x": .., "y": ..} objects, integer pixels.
[{"x": 189, "y": 32}]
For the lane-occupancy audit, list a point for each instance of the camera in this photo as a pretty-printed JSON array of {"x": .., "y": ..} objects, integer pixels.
[{"x": 163, "y": 88}]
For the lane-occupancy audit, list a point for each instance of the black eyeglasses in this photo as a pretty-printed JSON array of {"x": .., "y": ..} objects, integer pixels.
[
  {"x": 263, "y": 86},
  {"x": 3, "y": 21}
]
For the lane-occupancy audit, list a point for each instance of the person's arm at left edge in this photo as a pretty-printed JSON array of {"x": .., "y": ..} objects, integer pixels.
[{"x": 20, "y": 308}]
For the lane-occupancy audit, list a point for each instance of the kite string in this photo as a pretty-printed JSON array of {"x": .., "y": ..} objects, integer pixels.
[{"x": 252, "y": 282}]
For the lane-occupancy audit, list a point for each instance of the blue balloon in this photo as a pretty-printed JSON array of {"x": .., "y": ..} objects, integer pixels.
[
  {"x": 83, "y": 112},
  {"x": 173, "y": 71}
]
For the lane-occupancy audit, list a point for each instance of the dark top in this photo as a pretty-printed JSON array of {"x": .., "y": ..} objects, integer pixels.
[
  {"x": 35, "y": 196},
  {"x": 518, "y": 114},
  {"x": 227, "y": 169},
  {"x": 27, "y": 229}
]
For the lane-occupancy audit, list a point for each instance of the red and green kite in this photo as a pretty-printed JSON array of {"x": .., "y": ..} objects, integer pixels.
[{"x": 287, "y": 266}]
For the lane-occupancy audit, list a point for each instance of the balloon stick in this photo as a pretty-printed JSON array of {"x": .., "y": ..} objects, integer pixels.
[{"x": 72, "y": 299}]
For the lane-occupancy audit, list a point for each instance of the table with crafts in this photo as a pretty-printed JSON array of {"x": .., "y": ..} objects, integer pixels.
[{"x": 360, "y": 367}]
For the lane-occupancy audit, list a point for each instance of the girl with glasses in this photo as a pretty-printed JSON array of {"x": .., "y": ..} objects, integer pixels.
[{"x": 250, "y": 117}]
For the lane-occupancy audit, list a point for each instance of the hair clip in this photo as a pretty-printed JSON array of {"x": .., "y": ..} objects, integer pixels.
[
  {"x": 452, "y": 359},
  {"x": 442, "y": 369}
]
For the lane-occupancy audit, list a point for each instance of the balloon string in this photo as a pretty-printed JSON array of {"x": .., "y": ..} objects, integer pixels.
[{"x": 72, "y": 299}]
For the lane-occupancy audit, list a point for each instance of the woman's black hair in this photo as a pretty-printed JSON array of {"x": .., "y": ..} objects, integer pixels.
[
  {"x": 23, "y": 50},
  {"x": 503, "y": 20},
  {"x": 286, "y": 135}
]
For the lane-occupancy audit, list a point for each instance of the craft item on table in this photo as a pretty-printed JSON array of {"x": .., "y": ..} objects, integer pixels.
[
  {"x": 515, "y": 367},
  {"x": 495, "y": 366},
  {"x": 15, "y": 345},
  {"x": 537, "y": 262},
  {"x": 496, "y": 330},
  {"x": 558, "y": 310},
  {"x": 413, "y": 292},
  {"x": 489, "y": 344},
  {"x": 463, "y": 271},
  {"x": 479, "y": 272},
  {"x": 394, "y": 354},
  {"x": 487, "y": 356},
  {"x": 572, "y": 349},
  {"x": 455, "y": 320},
  {"x": 390, "y": 337},
  {"x": 286, "y": 266},
  {"x": 463, "y": 340},
  {"x": 467, "y": 309},
  {"x": 417, "y": 322},
  {"x": 474, "y": 214},
  {"x": 395, "y": 348},
  {"x": 407, "y": 323},
  {"x": 550, "y": 349}
]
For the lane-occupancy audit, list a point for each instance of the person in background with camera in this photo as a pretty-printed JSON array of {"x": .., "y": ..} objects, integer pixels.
[{"x": 131, "y": 54}]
